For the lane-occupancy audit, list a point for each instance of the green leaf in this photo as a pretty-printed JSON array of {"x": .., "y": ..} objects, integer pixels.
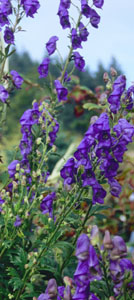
[
  {"x": 91, "y": 106},
  {"x": 4, "y": 179},
  {"x": 96, "y": 208}
]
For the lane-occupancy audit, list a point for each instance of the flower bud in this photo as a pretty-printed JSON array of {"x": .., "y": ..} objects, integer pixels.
[
  {"x": 105, "y": 77},
  {"x": 17, "y": 176},
  {"x": 38, "y": 141},
  {"x": 52, "y": 288},
  {"x": 109, "y": 85},
  {"x": 17, "y": 167},
  {"x": 38, "y": 172},
  {"x": 54, "y": 148},
  {"x": 93, "y": 119},
  {"x": 107, "y": 242},
  {"x": 113, "y": 72}
]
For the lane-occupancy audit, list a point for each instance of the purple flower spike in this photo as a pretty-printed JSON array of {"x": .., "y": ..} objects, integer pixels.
[
  {"x": 82, "y": 247},
  {"x": 3, "y": 94},
  {"x": 76, "y": 40},
  {"x": 61, "y": 91},
  {"x": 51, "y": 44},
  {"x": 98, "y": 3},
  {"x": 43, "y": 68},
  {"x": 79, "y": 61},
  {"x": 8, "y": 36},
  {"x": 17, "y": 79}
]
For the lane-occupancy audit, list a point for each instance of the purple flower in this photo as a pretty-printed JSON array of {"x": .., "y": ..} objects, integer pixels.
[
  {"x": 94, "y": 18},
  {"x": 12, "y": 167},
  {"x": 98, "y": 193},
  {"x": 8, "y": 36},
  {"x": 43, "y": 68},
  {"x": 51, "y": 44},
  {"x": 3, "y": 94},
  {"x": 64, "y": 17},
  {"x": 82, "y": 247},
  {"x": 61, "y": 91},
  {"x": 115, "y": 187},
  {"x": 30, "y": 7},
  {"x": 46, "y": 205},
  {"x": 76, "y": 40},
  {"x": 17, "y": 222},
  {"x": 85, "y": 9},
  {"x": 68, "y": 170},
  {"x": 118, "y": 88},
  {"x": 5, "y": 7},
  {"x": 65, "y": 3},
  {"x": 3, "y": 20},
  {"x": 98, "y": 3},
  {"x": 17, "y": 79},
  {"x": 124, "y": 131},
  {"x": 78, "y": 61},
  {"x": 93, "y": 297},
  {"x": 83, "y": 32}
]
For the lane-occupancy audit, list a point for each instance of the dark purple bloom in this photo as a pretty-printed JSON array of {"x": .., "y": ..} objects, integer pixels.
[
  {"x": 61, "y": 91},
  {"x": 46, "y": 205},
  {"x": 78, "y": 61},
  {"x": 115, "y": 187},
  {"x": 118, "y": 88},
  {"x": 3, "y": 94},
  {"x": 3, "y": 20},
  {"x": 124, "y": 131},
  {"x": 17, "y": 79},
  {"x": 17, "y": 222},
  {"x": 98, "y": 3},
  {"x": 82, "y": 247},
  {"x": 30, "y": 7},
  {"x": 1, "y": 201},
  {"x": 12, "y": 167},
  {"x": 66, "y": 78},
  {"x": 68, "y": 170},
  {"x": 51, "y": 44},
  {"x": 83, "y": 32},
  {"x": 25, "y": 145},
  {"x": 94, "y": 18},
  {"x": 93, "y": 297},
  {"x": 9, "y": 36},
  {"x": 129, "y": 97},
  {"x": 93, "y": 263},
  {"x": 5, "y": 7},
  {"x": 119, "y": 248},
  {"x": 85, "y": 9},
  {"x": 65, "y": 3},
  {"x": 98, "y": 193},
  {"x": 76, "y": 40},
  {"x": 43, "y": 68},
  {"x": 64, "y": 17}
]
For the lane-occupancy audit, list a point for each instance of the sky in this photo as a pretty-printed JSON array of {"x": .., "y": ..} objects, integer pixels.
[{"x": 113, "y": 38}]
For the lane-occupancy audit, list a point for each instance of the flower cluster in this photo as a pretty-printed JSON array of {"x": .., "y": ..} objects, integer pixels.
[
  {"x": 88, "y": 268},
  {"x": 101, "y": 149},
  {"x": 119, "y": 265},
  {"x": 78, "y": 35}
]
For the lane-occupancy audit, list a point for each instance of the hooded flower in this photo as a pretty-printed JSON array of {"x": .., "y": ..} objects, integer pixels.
[
  {"x": 3, "y": 94},
  {"x": 51, "y": 45},
  {"x": 78, "y": 61},
  {"x": 43, "y": 68},
  {"x": 17, "y": 79},
  {"x": 61, "y": 91}
]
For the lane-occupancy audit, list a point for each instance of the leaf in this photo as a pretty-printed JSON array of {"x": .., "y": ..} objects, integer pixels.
[
  {"x": 91, "y": 106},
  {"x": 15, "y": 281},
  {"x": 96, "y": 208},
  {"x": 4, "y": 179}
]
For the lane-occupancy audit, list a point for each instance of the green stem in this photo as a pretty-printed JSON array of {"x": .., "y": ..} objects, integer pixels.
[
  {"x": 76, "y": 237},
  {"x": 44, "y": 250}
]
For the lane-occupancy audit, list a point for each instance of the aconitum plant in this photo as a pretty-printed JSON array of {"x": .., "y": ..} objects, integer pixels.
[{"x": 51, "y": 247}]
